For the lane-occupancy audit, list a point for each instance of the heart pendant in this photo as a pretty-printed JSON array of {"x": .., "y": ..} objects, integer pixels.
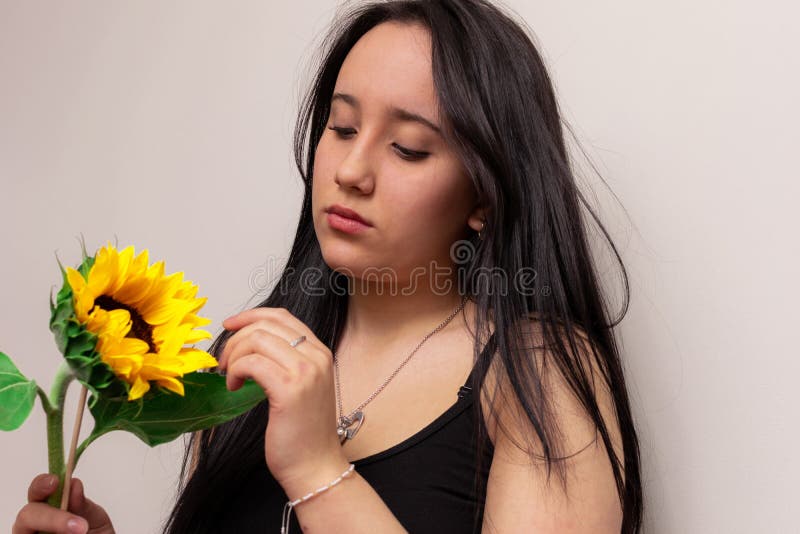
[{"x": 344, "y": 431}]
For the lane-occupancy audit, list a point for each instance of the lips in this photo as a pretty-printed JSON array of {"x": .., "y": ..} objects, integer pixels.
[{"x": 347, "y": 213}]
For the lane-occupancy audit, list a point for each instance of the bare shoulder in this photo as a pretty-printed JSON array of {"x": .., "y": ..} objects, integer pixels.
[{"x": 520, "y": 495}]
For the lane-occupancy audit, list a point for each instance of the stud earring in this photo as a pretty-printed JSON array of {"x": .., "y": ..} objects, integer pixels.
[{"x": 480, "y": 232}]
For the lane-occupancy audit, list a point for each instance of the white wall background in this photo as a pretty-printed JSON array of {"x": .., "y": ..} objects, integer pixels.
[{"x": 168, "y": 124}]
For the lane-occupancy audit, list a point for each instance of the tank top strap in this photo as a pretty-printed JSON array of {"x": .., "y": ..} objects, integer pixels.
[{"x": 466, "y": 388}]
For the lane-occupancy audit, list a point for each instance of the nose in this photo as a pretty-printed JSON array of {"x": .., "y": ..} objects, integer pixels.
[{"x": 356, "y": 169}]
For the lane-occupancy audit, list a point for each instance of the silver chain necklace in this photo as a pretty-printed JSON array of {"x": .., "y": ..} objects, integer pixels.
[{"x": 356, "y": 417}]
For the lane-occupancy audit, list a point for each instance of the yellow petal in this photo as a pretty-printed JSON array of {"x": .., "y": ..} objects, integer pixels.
[
  {"x": 172, "y": 384},
  {"x": 134, "y": 290},
  {"x": 75, "y": 279},
  {"x": 162, "y": 291},
  {"x": 166, "y": 311},
  {"x": 171, "y": 339},
  {"x": 195, "y": 359},
  {"x": 140, "y": 387},
  {"x": 101, "y": 272},
  {"x": 119, "y": 321},
  {"x": 123, "y": 270},
  {"x": 187, "y": 290},
  {"x": 140, "y": 262},
  {"x": 195, "y": 321},
  {"x": 156, "y": 363},
  {"x": 132, "y": 346},
  {"x": 123, "y": 365},
  {"x": 196, "y": 335},
  {"x": 197, "y": 304}
]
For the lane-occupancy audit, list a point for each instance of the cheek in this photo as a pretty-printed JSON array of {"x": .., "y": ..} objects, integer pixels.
[
  {"x": 427, "y": 211},
  {"x": 319, "y": 180},
  {"x": 323, "y": 170},
  {"x": 439, "y": 197},
  {"x": 322, "y": 159}
]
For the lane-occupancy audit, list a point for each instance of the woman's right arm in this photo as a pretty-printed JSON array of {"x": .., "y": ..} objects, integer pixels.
[{"x": 84, "y": 515}]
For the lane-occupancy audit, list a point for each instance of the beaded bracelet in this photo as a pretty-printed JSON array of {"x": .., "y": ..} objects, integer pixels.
[{"x": 287, "y": 509}]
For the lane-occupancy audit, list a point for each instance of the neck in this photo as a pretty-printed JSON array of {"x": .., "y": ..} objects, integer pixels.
[{"x": 380, "y": 318}]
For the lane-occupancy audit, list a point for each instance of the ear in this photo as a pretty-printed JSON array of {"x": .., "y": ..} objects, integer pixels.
[{"x": 477, "y": 217}]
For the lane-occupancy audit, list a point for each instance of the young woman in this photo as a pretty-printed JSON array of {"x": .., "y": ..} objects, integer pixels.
[{"x": 437, "y": 354}]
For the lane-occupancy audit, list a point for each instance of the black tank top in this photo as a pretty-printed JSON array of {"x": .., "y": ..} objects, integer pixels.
[{"x": 427, "y": 480}]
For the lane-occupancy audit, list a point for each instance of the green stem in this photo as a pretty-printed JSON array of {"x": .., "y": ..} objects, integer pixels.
[
  {"x": 48, "y": 408},
  {"x": 85, "y": 443},
  {"x": 55, "y": 429}
]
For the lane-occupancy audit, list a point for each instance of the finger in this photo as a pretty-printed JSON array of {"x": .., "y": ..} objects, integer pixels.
[
  {"x": 77, "y": 499},
  {"x": 42, "y": 487},
  {"x": 286, "y": 333},
  {"x": 281, "y": 315},
  {"x": 295, "y": 361},
  {"x": 259, "y": 338},
  {"x": 80, "y": 504},
  {"x": 38, "y": 516},
  {"x": 265, "y": 372}
]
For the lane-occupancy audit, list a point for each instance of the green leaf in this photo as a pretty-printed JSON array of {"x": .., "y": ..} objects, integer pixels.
[
  {"x": 165, "y": 415},
  {"x": 17, "y": 395}
]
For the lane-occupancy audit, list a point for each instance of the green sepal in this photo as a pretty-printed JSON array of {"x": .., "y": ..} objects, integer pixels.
[
  {"x": 86, "y": 265},
  {"x": 162, "y": 415},
  {"x": 17, "y": 395}
]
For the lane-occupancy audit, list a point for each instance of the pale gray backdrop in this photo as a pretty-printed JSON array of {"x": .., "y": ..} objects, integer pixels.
[{"x": 168, "y": 125}]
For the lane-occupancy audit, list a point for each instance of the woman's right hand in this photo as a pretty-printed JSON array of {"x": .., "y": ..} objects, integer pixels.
[{"x": 84, "y": 515}]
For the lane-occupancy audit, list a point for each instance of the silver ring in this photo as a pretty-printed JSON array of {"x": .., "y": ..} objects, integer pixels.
[{"x": 297, "y": 341}]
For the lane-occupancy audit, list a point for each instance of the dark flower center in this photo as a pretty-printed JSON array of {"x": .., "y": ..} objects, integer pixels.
[{"x": 139, "y": 327}]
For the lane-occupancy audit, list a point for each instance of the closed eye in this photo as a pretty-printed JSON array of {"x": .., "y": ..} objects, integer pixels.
[
  {"x": 405, "y": 153},
  {"x": 342, "y": 132}
]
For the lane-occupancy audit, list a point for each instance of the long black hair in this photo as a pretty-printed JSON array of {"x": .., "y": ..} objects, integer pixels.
[{"x": 501, "y": 115}]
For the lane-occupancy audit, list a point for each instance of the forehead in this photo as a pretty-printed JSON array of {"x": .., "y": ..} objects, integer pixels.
[{"x": 390, "y": 65}]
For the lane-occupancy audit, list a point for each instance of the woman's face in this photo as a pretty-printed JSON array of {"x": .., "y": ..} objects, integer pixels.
[{"x": 397, "y": 173}]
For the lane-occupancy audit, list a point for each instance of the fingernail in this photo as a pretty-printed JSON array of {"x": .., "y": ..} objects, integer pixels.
[
  {"x": 50, "y": 481},
  {"x": 76, "y": 526}
]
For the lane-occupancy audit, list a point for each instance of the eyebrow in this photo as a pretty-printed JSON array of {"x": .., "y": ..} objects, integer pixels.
[{"x": 394, "y": 112}]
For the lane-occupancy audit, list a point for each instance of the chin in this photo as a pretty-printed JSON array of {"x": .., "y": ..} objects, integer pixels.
[{"x": 340, "y": 255}]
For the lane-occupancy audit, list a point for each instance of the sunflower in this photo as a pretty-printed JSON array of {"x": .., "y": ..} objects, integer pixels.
[{"x": 141, "y": 319}]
